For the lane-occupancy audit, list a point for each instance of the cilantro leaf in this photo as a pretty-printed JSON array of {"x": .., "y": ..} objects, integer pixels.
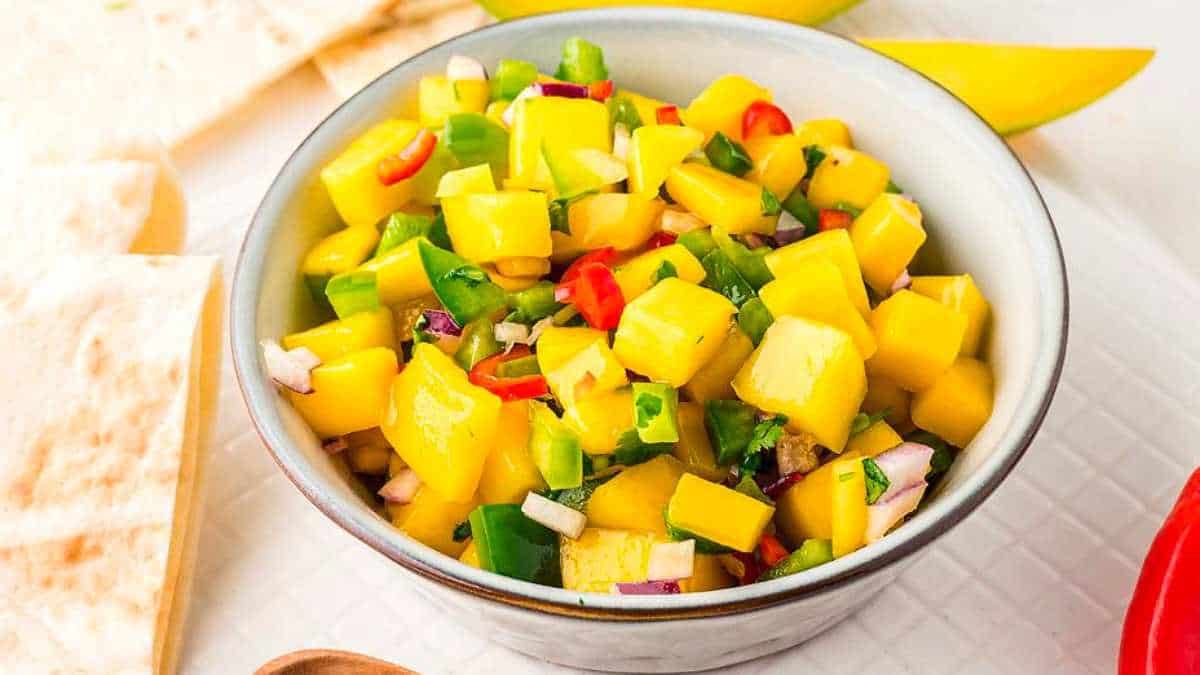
[
  {"x": 558, "y": 217},
  {"x": 766, "y": 434},
  {"x": 648, "y": 407},
  {"x": 770, "y": 203},
  {"x": 813, "y": 156},
  {"x": 462, "y": 531},
  {"x": 877, "y": 481},
  {"x": 665, "y": 271}
]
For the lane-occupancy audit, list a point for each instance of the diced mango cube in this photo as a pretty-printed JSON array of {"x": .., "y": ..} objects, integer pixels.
[
  {"x": 720, "y": 107},
  {"x": 815, "y": 290},
  {"x": 623, "y": 221},
  {"x": 694, "y": 448},
  {"x": 714, "y": 380},
  {"x": 472, "y": 179},
  {"x": 917, "y": 339},
  {"x": 805, "y": 510},
  {"x": 847, "y": 176},
  {"x": 655, "y": 150},
  {"x": 707, "y": 575},
  {"x": 333, "y": 339},
  {"x": 340, "y": 251},
  {"x": 875, "y": 439},
  {"x": 825, "y": 133},
  {"x": 810, "y": 372},
  {"x": 352, "y": 179},
  {"x": 509, "y": 472},
  {"x": 439, "y": 97},
  {"x": 958, "y": 403},
  {"x": 849, "y": 506},
  {"x": 558, "y": 344},
  {"x": 636, "y": 497},
  {"x": 470, "y": 556},
  {"x": 523, "y": 267},
  {"x": 600, "y": 419},
  {"x": 886, "y": 237},
  {"x": 671, "y": 330},
  {"x": 601, "y": 557},
  {"x": 349, "y": 392},
  {"x": 884, "y": 394},
  {"x": 639, "y": 274},
  {"x": 591, "y": 371},
  {"x": 962, "y": 295},
  {"x": 717, "y": 513},
  {"x": 779, "y": 163},
  {"x": 443, "y": 426},
  {"x": 566, "y": 124},
  {"x": 430, "y": 519},
  {"x": 834, "y": 246},
  {"x": 399, "y": 274},
  {"x": 488, "y": 227},
  {"x": 720, "y": 199}
]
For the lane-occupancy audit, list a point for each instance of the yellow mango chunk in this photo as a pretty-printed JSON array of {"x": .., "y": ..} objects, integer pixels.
[
  {"x": 340, "y": 251},
  {"x": 655, "y": 150},
  {"x": 958, "y": 403},
  {"x": 815, "y": 290},
  {"x": 523, "y": 267},
  {"x": 834, "y": 246},
  {"x": 636, "y": 497},
  {"x": 558, "y": 344},
  {"x": 714, "y": 380},
  {"x": 804, "y": 511},
  {"x": 566, "y": 124},
  {"x": 349, "y": 392},
  {"x": 510, "y": 284},
  {"x": 884, "y": 394},
  {"x": 399, "y": 274},
  {"x": 849, "y": 508},
  {"x": 623, "y": 221},
  {"x": 825, "y": 133},
  {"x": 647, "y": 107},
  {"x": 779, "y": 164},
  {"x": 442, "y": 426},
  {"x": 962, "y": 295},
  {"x": 671, "y": 330},
  {"x": 430, "y": 519},
  {"x": 592, "y": 371},
  {"x": 509, "y": 472},
  {"x": 694, "y": 448},
  {"x": 886, "y": 237},
  {"x": 720, "y": 107},
  {"x": 601, "y": 557},
  {"x": 466, "y": 181},
  {"x": 337, "y": 338},
  {"x": 917, "y": 339},
  {"x": 847, "y": 176},
  {"x": 877, "y": 438},
  {"x": 439, "y": 97},
  {"x": 600, "y": 419},
  {"x": 810, "y": 372},
  {"x": 470, "y": 556},
  {"x": 488, "y": 227},
  {"x": 720, "y": 199},
  {"x": 352, "y": 180},
  {"x": 639, "y": 274},
  {"x": 718, "y": 513},
  {"x": 707, "y": 575}
]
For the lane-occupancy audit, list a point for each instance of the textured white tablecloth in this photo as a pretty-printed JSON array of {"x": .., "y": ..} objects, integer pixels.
[{"x": 1035, "y": 582}]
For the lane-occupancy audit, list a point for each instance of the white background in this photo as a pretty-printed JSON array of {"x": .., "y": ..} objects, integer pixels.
[{"x": 1035, "y": 582}]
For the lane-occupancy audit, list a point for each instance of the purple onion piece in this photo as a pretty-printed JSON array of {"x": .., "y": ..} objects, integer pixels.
[
  {"x": 902, "y": 282},
  {"x": 648, "y": 588},
  {"x": 441, "y": 323},
  {"x": 563, "y": 89}
]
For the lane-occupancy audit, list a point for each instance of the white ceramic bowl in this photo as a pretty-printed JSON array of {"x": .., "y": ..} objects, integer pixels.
[{"x": 984, "y": 216}]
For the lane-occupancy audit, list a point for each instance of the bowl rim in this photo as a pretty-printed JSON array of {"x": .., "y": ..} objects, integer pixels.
[{"x": 929, "y": 524}]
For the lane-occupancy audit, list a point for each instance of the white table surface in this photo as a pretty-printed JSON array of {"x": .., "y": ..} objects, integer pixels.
[{"x": 1035, "y": 582}]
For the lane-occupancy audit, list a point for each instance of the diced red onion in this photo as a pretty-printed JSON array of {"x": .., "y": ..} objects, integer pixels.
[
  {"x": 788, "y": 229},
  {"x": 563, "y": 89},
  {"x": 647, "y": 588},
  {"x": 562, "y": 519},
  {"x": 903, "y": 281},
  {"x": 335, "y": 445},
  {"x": 291, "y": 369},
  {"x": 774, "y": 490},
  {"x": 461, "y": 67},
  {"x": 905, "y": 466},
  {"x": 621, "y": 139},
  {"x": 401, "y": 488},
  {"x": 680, "y": 222},
  {"x": 440, "y": 323},
  {"x": 511, "y": 333},
  {"x": 882, "y": 516},
  {"x": 673, "y": 560}
]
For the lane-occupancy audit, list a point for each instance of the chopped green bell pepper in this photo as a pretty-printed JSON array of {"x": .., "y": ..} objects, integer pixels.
[
  {"x": 511, "y": 544},
  {"x": 770, "y": 203},
  {"x": 728, "y": 155},
  {"x": 511, "y": 78},
  {"x": 811, "y": 553},
  {"x": 474, "y": 139},
  {"x": 813, "y": 156},
  {"x": 526, "y": 365},
  {"x": 698, "y": 242},
  {"x": 400, "y": 228},
  {"x": 622, "y": 111},
  {"x": 477, "y": 343},
  {"x": 463, "y": 288},
  {"x": 556, "y": 450},
  {"x": 353, "y": 292},
  {"x": 750, "y": 263},
  {"x": 533, "y": 303},
  {"x": 654, "y": 412},
  {"x": 723, "y": 277},
  {"x": 582, "y": 62},
  {"x": 754, "y": 319},
  {"x": 730, "y": 425},
  {"x": 803, "y": 210}
]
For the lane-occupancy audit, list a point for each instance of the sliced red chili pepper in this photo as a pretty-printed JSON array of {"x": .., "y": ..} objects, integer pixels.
[
  {"x": 764, "y": 119},
  {"x": 833, "y": 219},
  {"x": 598, "y": 297},
  {"x": 661, "y": 239},
  {"x": 668, "y": 114},
  {"x": 780, "y": 486},
  {"x": 407, "y": 162},
  {"x": 605, "y": 256},
  {"x": 771, "y": 551},
  {"x": 508, "y": 388},
  {"x": 600, "y": 90}
]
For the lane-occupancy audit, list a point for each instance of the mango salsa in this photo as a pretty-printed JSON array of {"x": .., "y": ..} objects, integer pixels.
[
  {"x": 349, "y": 392},
  {"x": 694, "y": 448},
  {"x": 959, "y": 293},
  {"x": 834, "y": 246},
  {"x": 430, "y": 519},
  {"x": 340, "y": 252},
  {"x": 886, "y": 237},
  {"x": 825, "y": 133},
  {"x": 509, "y": 472},
  {"x": 638, "y": 275},
  {"x": 439, "y": 97},
  {"x": 636, "y": 497},
  {"x": 654, "y": 151},
  {"x": 601, "y": 557},
  {"x": 728, "y": 202},
  {"x": 814, "y": 290},
  {"x": 847, "y": 176},
  {"x": 564, "y": 123},
  {"x": 918, "y": 339},
  {"x": 352, "y": 180},
  {"x": 958, "y": 403},
  {"x": 399, "y": 273},
  {"x": 849, "y": 506},
  {"x": 623, "y": 221},
  {"x": 344, "y": 336},
  {"x": 600, "y": 419},
  {"x": 714, "y": 379},
  {"x": 591, "y": 370},
  {"x": 877, "y": 438},
  {"x": 779, "y": 163},
  {"x": 720, "y": 107},
  {"x": 717, "y": 513},
  {"x": 487, "y": 227},
  {"x": 884, "y": 394}
]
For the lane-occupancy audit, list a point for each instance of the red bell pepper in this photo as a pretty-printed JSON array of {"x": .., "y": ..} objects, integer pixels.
[
  {"x": 600, "y": 90},
  {"x": 764, "y": 119},
  {"x": 508, "y": 388},
  {"x": 1162, "y": 624},
  {"x": 597, "y": 296},
  {"x": 833, "y": 219},
  {"x": 661, "y": 239},
  {"x": 407, "y": 162},
  {"x": 566, "y": 284},
  {"x": 771, "y": 551},
  {"x": 668, "y": 114}
]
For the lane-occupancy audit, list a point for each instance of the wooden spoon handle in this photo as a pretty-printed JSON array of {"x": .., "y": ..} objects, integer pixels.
[{"x": 329, "y": 662}]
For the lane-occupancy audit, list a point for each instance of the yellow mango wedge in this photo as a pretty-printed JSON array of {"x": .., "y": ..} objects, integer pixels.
[
  {"x": 807, "y": 12},
  {"x": 1015, "y": 87}
]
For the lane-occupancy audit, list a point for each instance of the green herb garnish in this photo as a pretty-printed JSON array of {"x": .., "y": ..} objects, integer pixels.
[
  {"x": 770, "y": 203},
  {"x": 462, "y": 531},
  {"x": 813, "y": 156},
  {"x": 877, "y": 481},
  {"x": 665, "y": 271}
]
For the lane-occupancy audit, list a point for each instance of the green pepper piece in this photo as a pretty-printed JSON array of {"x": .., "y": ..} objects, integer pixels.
[
  {"x": 894, "y": 189},
  {"x": 813, "y": 156},
  {"x": 730, "y": 425},
  {"x": 522, "y": 367},
  {"x": 770, "y": 203},
  {"x": 750, "y": 263},
  {"x": 754, "y": 319},
  {"x": 698, "y": 242},
  {"x": 654, "y": 411},
  {"x": 728, "y": 155},
  {"x": 353, "y": 292},
  {"x": 463, "y": 288},
  {"x": 400, "y": 228},
  {"x": 478, "y": 342},
  {"x": 722, "y": 277},
  {"x": 811, "y": 553},
  {"x": 853, "y": 210},
  {"x": 631, "y": 450},
  {"x": 511, "y": 544},
  {"x": 533, "y": 303},
  {"x": 316, "y": 283},
  {"x": 474, "y": 139},
  {"x": 511, "y": 78},
  {"x": 555, "y": 449},
  {"x": 582, "y": 62},
  {"x": 622, "y": 111},
  {"x": 577, "y": 497},
  {"x": 802, "y": 210}
]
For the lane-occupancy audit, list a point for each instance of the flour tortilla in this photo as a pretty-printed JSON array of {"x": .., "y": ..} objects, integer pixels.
[
  {"x": 110, "y": 372},
  {"x": 350, "y": 66},
  {"x": 70, "y": 68}
]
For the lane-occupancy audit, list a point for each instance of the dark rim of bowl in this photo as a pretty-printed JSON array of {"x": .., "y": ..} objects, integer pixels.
[{"x": 931, "y": 530}]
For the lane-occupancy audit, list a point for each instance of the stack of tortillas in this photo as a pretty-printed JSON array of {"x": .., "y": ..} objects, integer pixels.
[{"x": 110, "y": 340}]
